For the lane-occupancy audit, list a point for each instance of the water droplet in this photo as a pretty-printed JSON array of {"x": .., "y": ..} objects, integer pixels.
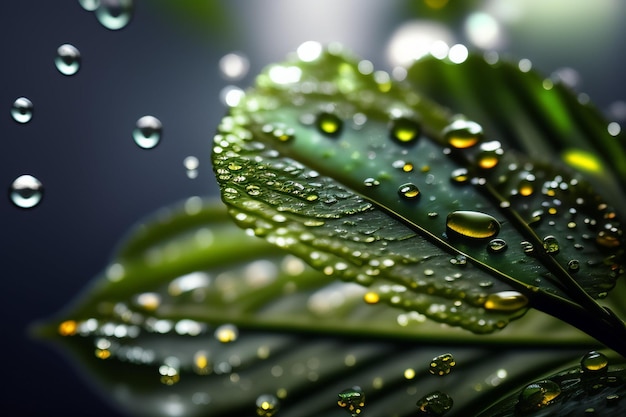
[
  {"x": 22, "y": 110},
  {"x": 191, "y": 164},
  {"x": 89, "y": 5},
  {"x": 573, "y": 265},
  {"x": 227, "y": 333},
  {"x": 370, "y": 182},
  {"x": 505, "y": 301},
  {"x": 329, "y": 123},
  {"x": 435, "y": 404},
  {"x": 490, "y": 154},
  {"x": 234, "y": 66},
  {"x": 371, "y": 297},
  {"x": 525, "y": 188},
  {"x": 169, "y": 371},
  {"x": 267, "y": 405},
  {"x": 551, "y": 245},
  {"x": 409, "y": 191},
  {"x": 147, "y": 132},
  {"x": 528, "y": 248},
  {"x": 538, "y": 395},
  {"x": 497, "y": 245},
  {"x": 114, "y": 14},
  {"x": 404, "y": 130},
  {"x": 26, "y": 191},
  {"x": 462, "y": 134},
  {"x": 594, "y": 362},
  {"x": 68, "y": 59},
  {"x": 460, "y": 176},
  {"x": 473, "y": 224},
  {"x": 352, "y": 400},
  {"x": 442, "y": 365}
]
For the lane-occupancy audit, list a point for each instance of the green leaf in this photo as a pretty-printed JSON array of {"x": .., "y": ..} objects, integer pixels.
[{"x": 372, "y": 183}]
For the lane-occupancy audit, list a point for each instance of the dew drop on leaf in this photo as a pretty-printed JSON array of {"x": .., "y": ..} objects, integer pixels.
[
  {"x": 462, "y": 134},
  {"x": 490, "y": 154},
  {"x": 26, "y": 191},
  {"x": 68, "y": 59},
  {"x": 442, "y": 365},
  {"x": 497, "y": 245},
  {"x": 409, "y": 191},
  {"x": 435, "y": 404},
  {"x": 538, "y": 395},
  {"x": 114, "y": 14},
  {"x": 505, "y": 301},
  {"x": 329, "y": 123},
  {"x": 267, "y": 405},
  {"x": 460, "y": 176},
  {"x": 472, "y": 224},
  {"x": 226, "y": 333},
  {"x": 404, "y": 130},
  {"x": 148, "y": 131},
  {"x": 551, "y": 244},
  {"x": 573, "y": 265},
  {"x": 594, "y": 362},
  {"x": 352, "y": 400},
  {"x": 22, "y": 110}
]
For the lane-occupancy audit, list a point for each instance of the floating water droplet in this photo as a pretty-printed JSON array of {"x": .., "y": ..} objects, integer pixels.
[
  {"x": 329, "y": 123},
  {"x": 497, "y": 245},
  {"x": 227, "y": 333},
  {"x": 538, "y": 395},
  {"x": 89, "y": 5},
  {"x": 462, "y": 134},
  {"x": 404, "y": 130},
  {"x": 594, "y": 362},
  {"x": 460, "y": 176},
  {"x": 22, "y": 110},
  {"x": 505, "y": 301},
  {"x": 267, "y": 405},
  {"x": 409, "y": 191},
  {"x": 68, "y": 59},
  {"x": 114, "y": 14},
  {"x": 352, "y": 400},
  {"x": 472, "y": 224},
  {"x": 26, "y": 191},
  {"x": 435, "y": 404},
  {"x": 551, "y": 245},
  {"x": 442, "y": 365},
  {"x": 147, "y": 132}
]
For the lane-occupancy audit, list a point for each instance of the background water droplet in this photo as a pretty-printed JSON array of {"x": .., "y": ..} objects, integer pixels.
[
  {"x": 147, "y": 132},
  {"x": 404, "y": 130},
  {"x": 267, "y": 405},
  {"x": 234, "y": 66},
  {"x": 435, "y": 404},
  {"x": 462, "y": 134},
  {"x": 89, "y": 5},
  {"x": 191, "y": 164},
  {"x": 22, "y": 110},
  {"x": 68, "y": 59},
  {"x": 26, "y": 191},
  {"x": 329, "y": 123},
  {"x": 114, "y": 14},
  {"x": 226, "y": 333}
]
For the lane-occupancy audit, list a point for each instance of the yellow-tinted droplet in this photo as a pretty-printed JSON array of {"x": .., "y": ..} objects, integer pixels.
[
  {"x": 538, "y": 395},
  {"x": 371, "y": 297},
  {"x": 525, "y": 188},
  {"x": 460, "y": 176},
  {"x": 267, "y": 405},
  {"x": 226, "y": 333},
  {"x": 407, "y": 167},
  {"x": 505, "y": 301},
  {"x": 409, "y": 191},
  {"x": 551, "y": 245},
  {"x": 472, "y": 224},
  {"x": 404, "y": 130},
  {"x": 409, "y": 373},
  {"x": 352, "y": 400},
  {"x": 329, "y": 123},
  {"x": 442, "y": 365},
  {"x": 594, "y": 362},
  {"x": 582, "y": 160},
  {"x": 68, "y": 328},
  {"x": 463, "y": 134},
  {"x": 201, "y": 362},
  {"x": 607, "y": 239}
]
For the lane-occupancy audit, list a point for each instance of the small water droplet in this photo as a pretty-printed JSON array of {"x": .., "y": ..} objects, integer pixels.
[
  {"x": 234, "y": 66},
  {"x": 551, "y": 245},
  {"x": 22, "y": 110},
  {"x": 409, "y": 191},
  {"x": 227, "y": 333},
  {"x": 404, "y": 130},
  {"x": 525, "y": 188},
  {"x": 538, "y": 395},
  {"x": 490, "y": 154},
  {"x": 460, "y": 176},
  {"x": 497, "y": 245},
  {"x": 528, "y": 248},
  {"x": 442, "y": 365},
  {"x": 462, "y": 134},
  {"x": 147, "y": 132},
  {"x": 505, "y": 301},
  {"x": 435, "y": 404},
  {"x": 472, "y": 224},
  {"x": 68, "y": 59},
  {"x": 594, "y": 362},
  {"x": 191, "y": 164},
  {"x": 371, "y": 182},
  {"x": 573, "y": 265},
  {"x": 114, "y": 14},
  {"x": 26, "y": 191},
  {"x": 89, "y": 5},
  {"x": 352, "y": 400},
  {"x": 267, "y": 405},
  {"x": 329, "y": 123}
]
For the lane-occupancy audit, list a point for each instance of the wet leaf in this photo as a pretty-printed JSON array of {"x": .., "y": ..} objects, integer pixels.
[{"x": 372, "y": 183}]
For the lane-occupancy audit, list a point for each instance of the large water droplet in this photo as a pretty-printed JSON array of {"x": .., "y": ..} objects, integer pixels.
[
  {"x": 505, "y": 301},
  {"x": 594, "y": 362},
  {"x": 538, "y": 395},
  {"x": 352, "y": 400},
  {"x": 114, "y": 14},
  {"x": 329, "y": 123},
  {"x": 147, "y": 132},
  {"x": 26, "y": 191},
  {"x": 409, "y": 191},
  {"x": 68, "y": 59},
  {"x": 472, "y": 224},
  {"x": 551, "y": 245},
  {"x": 267, "y": 405},
  {"x": 442, "y": 365},
  {"x": 22, "y": 110},
  {"x": 435, "y": 404},
  {"x": 404, "y": 130},
  {"x": 462, "y": 134}
]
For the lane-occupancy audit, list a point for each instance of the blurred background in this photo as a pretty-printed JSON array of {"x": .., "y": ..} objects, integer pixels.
[{"x": 183, "y": 62}]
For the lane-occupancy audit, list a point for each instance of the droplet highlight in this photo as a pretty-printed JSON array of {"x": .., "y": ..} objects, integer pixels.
[
  {"x": 404, "y": 130},
  {"x": 329, "y": 123},
  {"x": 471, "y": 224},
  {"x": 352, "y": 400},
  {"x": 435, "y": 404},
  {"x": 22, "y": 110},
  {"x": 148, "y": 131},
  {"x": 442, "y": 365},
  {"x": 267, "y": 405},
  {"x": 114, "y": 14},
  {"x": 409, "y": 191},
  {"x": 68, "y": 59},
  {"x": 462, "y": 134},
  {"x": 26, "y": 191}
]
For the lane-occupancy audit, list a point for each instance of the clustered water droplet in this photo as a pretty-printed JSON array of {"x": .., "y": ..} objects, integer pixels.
[
  {"x": 148, "y": 131},
  {"x": 68, "y": 59},
  {"x": 26, "y": 191},
  {"x": 22, "y": 110},
  {"x": 352, "y": 400}
]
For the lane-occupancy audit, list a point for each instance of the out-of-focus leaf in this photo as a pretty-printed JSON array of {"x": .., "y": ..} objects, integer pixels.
[{"x": 367, "y": 180}]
